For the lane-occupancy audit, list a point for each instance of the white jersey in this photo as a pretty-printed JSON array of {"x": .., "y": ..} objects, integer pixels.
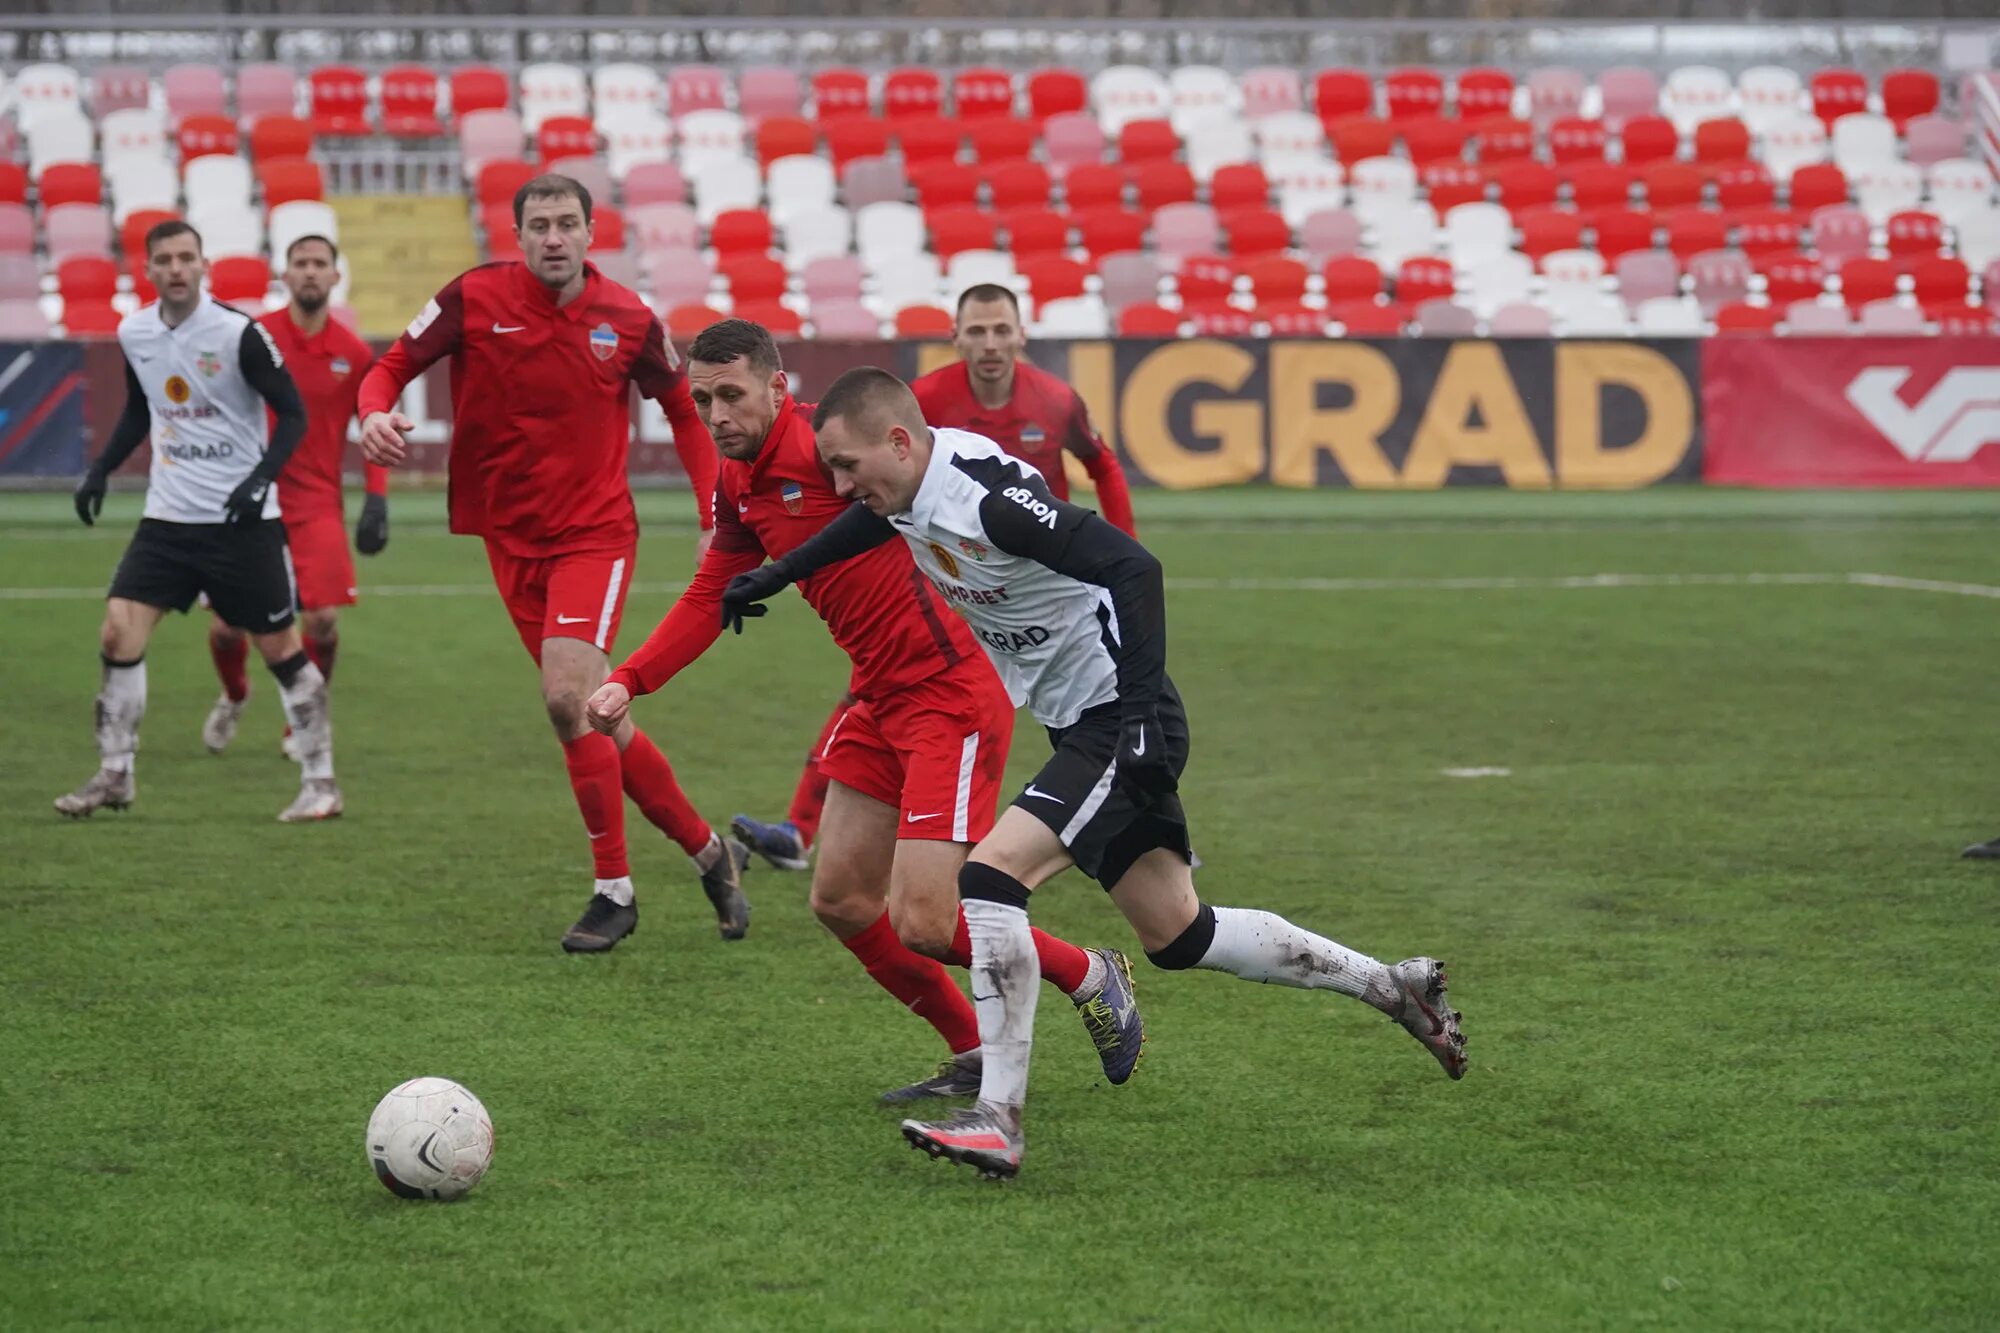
[
  {"x": 979, "y": 518},
  {"x": 209, "y": 422}
]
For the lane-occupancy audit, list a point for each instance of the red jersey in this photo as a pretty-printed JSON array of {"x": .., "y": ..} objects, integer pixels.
[
  {"x": 883, "y": 613},
  {"x": 327, "y": 366},
  {"x": 1041, "y": 418},
  {"x": 541, "y": 406}
]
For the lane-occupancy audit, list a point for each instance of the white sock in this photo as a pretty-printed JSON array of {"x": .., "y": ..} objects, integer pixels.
[
  {"x": 306, "y": 712},
  {"x": 617, "y": 890},
  {"x": 121, "y": 704},
  {"x": 1006, "y": 974},
  {"x": 1260, "y": 946},
  {"x": 1093, "y": 980},
  {"x": 705, "y": 859}
]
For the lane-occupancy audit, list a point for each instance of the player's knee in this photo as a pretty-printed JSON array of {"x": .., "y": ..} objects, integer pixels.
[
  {"x": 321, "y": 624},
  {"x": 565, "y": 708},
  {"x": 1188, "y": 948},
  {"x": 923, "y": 928},
  {"x": 840, "y": 906}
]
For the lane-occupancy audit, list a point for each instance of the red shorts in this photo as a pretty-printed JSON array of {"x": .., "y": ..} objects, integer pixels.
[
  {"x": 574, "y": 595},
  {"x": 936, "y": 751},
  {"x": 322, "y": 564}
]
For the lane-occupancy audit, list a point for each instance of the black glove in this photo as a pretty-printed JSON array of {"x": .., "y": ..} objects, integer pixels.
[
  {"x": 371, "y": 532},
  {"x": 740, "y": 599},
  {"x": 1143, "y": 767},
  {"x": 90, "y": 497},
  {"x": 246, "y": 503}
]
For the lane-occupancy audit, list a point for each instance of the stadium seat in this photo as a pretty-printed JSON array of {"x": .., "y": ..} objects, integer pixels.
[
  {"x": 1124, "y": 93},
  {"x": 1744, "y": 185},
  {"x": 1271, "y": 90},
  {"x": 1725, "y": 139},
  {"x": 1767, "y": 94},
  {"x": 854, "y": 135},
  {"x": 763, "y": 91},
  {"x": 1128, "y": 278},
  {"x": 410, "y": 103},
  {"x": 1201, "y": 95},
  {"x": 339, "y": 101},
  {"x": 1307, "y": 185},
  {"x": 238, "y": 278},
  {"x": 1339, "y": 93},
  {"x": 1274, "y": 278},
  {"x": 1582, "y": 269},
  {"x": 1429, "y": 139},
  {"x": 684, "y": 322},
  {"x": 926, "y": 140},
  {"x": 1163, "y": 184},
  {"x": 631, "y": 139},
  {"x": 1889, "y": 317},
  {"x": 662, "y": 226},
  {"x": 76, "y": 229},
  {"x": 752, "y": 277},
  {"x": 1740, "y": 317},
  {"x": 133, "y": 132},
  {"x": 1794, "y": 142},
  {"x": 1348, "y": 278},
  {"x": 1071, "y": 317},
  {"x": 194, "y": 90},
  {"x": 1693, "y": 230},
  {"x": 1107, "y": 231},
  {"x": 1147, "y": 140},
  {"x": 781, "y": 321},
  {"x": 1410, "y": 94},
  {"x": 740, "y": 231},
  {"x": 1448, "y": 184},
  {"x": 677, "y": 278},
  {"x": 923, "y": 321},
  {"x": 1525, "y": 185},
  {"x": 1402, "y": 232},
  {"x": 1669, "y": 317},
  {"x": 13, "y": 183},
  {"x": 1627, "y": 93},
  {"x": 478, "y": 88},
  {"x": 1357, "y": 138},
  {"x": 1477, "y": 231},
  {"x": 1204, "y": 278},
  {"x": 1594, "y": 185},
  {"x": 1837, "y": 93},
  {"x": 1555, "y": 94},
  {"x": 1670, "y": 184},
  {"x": 1239, "y": 185},
  {"x": 1148, "y": 320},
  {"x": 1424, "y": 279},
  {"x": 691, "y": 88},
  {"x": 1863, "y": 280},
  {"x": 550, "y": 89},
  {"x": 266, "y": 89},
  {"x": 1764, "y": 232},
  {"x": 1442, "y": 317},
  {"x": 1961, "y": 320},
  {"x": 1937, "y": 280},
  {"x": 1907, "y": 94},
  {"x": 1056, "y": 92},
  {"x": 497, "y": 182},
  {"x": 1216, "y": 144},
  {"x": 844, "y": 319},
  {"x": 1052, "y": 277},
  {"x": 71, "y": 183},
  {"x": 831, "y": 278},
  {"x": 1807, "y": 317},
  {"x": 709, "y": 135},
  {"x": 1929, "y": 140},
  {"x": 799, "y": 184},
  {"x": 1289, "y": 134},
  {"x": 1647, "y": 275},
  {"x": 1817, "y": 185},
  {"x": 286, "y": 179},
  {"x": 1548, "y": 230},
  {"x": 202, "y": 135},
  {"x": 1369, "y": 319},
  {"x": 1693, "y": 94},
  {"x": 96, "y": 318},
  {"x": 486, "y": 135},
  {"x": 1184, "y": 229},
  {"x": 724, "y": 183},
  {"x": 838, "y": 93},
  {"x": 1648, "y": 139},
  {"x": 888, "y": 233},
  {"x": 60, "y": 134},
  {"x": 1018, "y": 185},
  {"x": 1503, "y": 139},
  {"x": 280, "y": 136},
  {"x": 1379, "y": 184},
  {"x": 1862, "y": 140},
  {"x": 1482, "y": 92},
  {"x": 947, "y": 185},
  {"x": 982, "y": 93},
  {"x": 1619, "y": 231},
  {"x": 820, "y": 233},
  {"x": 1001, "y": 139},
  {"x": 912, "y": 93},
  {"x": 1839, "y": 233},
  {"x": 87, "y": 278},
  {"x": 1790, "y": 276},
  {"x": 873, "y": 180},
  {"x": 23, "y": 321},
  {"x": 954, "y": 230},
  {"x": 1883, "y": 189},
  {"x": 1521, "y": 319},
  {"x": 20, "y": 277},
  {"x": 1094, "y": 185}
]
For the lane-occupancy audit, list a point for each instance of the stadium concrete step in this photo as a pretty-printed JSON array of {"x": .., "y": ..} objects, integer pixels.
[{"x": 399, "y": 250}]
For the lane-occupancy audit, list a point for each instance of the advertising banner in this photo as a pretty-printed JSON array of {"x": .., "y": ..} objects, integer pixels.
[{"x": 41, "y": 409}]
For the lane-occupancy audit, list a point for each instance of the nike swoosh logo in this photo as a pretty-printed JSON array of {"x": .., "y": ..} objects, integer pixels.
[
  {"x": 1139, "y": 749},
  {"x": 571, "y": 620},
  {"x": 501, "y": 328},
  {"x": 1033, "y": 790},
  {"x": 592, "y": 836},
  {"x": 424, "y": 1154},
  {"x": 977, "y": 997},
  {"x": 915, "y": 819},
  {"x": 742, "y": 508},
  {"x": 276, "y": 616}
]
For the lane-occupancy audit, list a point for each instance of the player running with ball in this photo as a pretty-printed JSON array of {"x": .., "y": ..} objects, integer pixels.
[{"x": 1073, "y": 613}]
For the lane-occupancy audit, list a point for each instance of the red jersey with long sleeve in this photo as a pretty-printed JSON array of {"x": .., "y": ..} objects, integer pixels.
[
  {"x": 328, "y": 367},
  {"x": 1041, "y": 418},
  {"x": 541, "y": 408},
  {"x": 882, "y": 611}
]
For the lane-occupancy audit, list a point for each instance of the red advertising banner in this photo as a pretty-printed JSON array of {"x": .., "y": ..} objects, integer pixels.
[{"x": 1851, "y": 411}]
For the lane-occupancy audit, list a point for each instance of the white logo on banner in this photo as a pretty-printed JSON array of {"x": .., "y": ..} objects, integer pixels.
[{"x": 1957, "y": 418}]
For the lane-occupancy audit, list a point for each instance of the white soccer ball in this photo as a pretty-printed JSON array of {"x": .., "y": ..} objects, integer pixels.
[{"x": 430, "y": 1139}]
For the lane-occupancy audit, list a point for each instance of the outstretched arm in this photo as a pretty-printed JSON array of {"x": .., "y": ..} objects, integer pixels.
[
  {"x": 856, "y": 532},
  {"x": 1114, "y": 498},
  {"x": 657, "y": 371},
  {"x": 435, "y": 332}
]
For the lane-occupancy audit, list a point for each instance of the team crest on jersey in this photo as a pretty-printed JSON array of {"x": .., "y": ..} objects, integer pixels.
[
  {"x": 945, "y": 560},
  {"x": 973, "y": 549},
  {"x": 209, "y": 364},
  {"x": 177, "y": 389},
  {"x": 1033, "y": 436},
  {"x": 340, "y": 366},
  {"x": 794, "y": 496},
  {"x": 603, "y": 341}
]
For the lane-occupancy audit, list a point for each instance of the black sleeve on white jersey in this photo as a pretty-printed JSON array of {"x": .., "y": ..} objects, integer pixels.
[
  {"x": 133, "y": 424},
  {"x": 264, "y": 370},
  {"x": 856, "y": 532},
  {"x": 1024, "y": 518}
]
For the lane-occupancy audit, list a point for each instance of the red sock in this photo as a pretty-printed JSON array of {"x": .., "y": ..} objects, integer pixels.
[
  {"x": 921, "y": 983},
  {"x": 1064, "y": 965},
  {"x": 593, "y": 776},
  {"x": 649, "y": 781},
  {"x": 810, "y": 798},
  {"x": 321, "y": 652},
  {"x": 231, "y": 652}
]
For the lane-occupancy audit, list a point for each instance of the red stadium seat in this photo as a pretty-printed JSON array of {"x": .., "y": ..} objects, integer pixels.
[
  {"x": 1690, "y": 231},
  {"x": 13, "y": 183},
  {"x": 837, "y": 93},
  {"x": 1484, "y": 92},
  {"x": 1672, "y": 185},
  {"x": 1056, "y": 92},
  {"x": 1575, "y": 139},
  {"x": 1526, "y": 185},
  {"x": 1035, "y": 233},
  {"x": 1351, "y": 278},
  {"x": 479, "y": 88},
  {"x": 1353, "y": 138},
  {"x": 1412, "y": 93},
  {"x": 339, "y": 95},
  {"x": 1594, "y": 185},
  {"x": 1238, "y": 185},
  {"x": 1724, "y": 140},
  {"x": 785, "y": 136},
  {"x": 1937, "y": 280},
  {"x": 1094, "y": 185},
  {"x": 1790, "y": 276},
  {"x": 927, "y": 137},
  {"x": 1620, "y": 231},
  {"x": 854, "y": 135},
  {"x": 1864, "y": 280},
  {"x": 752, "y": 277},
  {"x": 1147, "y": 141},
  {"x": 923, "y": 321},
  {"x": 280, "y": 136},
  {"x": 1907, "y": 94},
  {"x": 947, "y": 185},
  {"x": 1744, "y": 185},
  {"x": 909, "y": 93},
  {"x": 409, "y": 103},
  {"x": 287, "y": 179},
  {"x": 685, "y": 321},
  {"x": 1205, "y": 278},
  {"x": 957, "y": 229},
  {"x": 1428, "y": 139},
  {"x": 1816, "y": 185},
  {"x": 1220, "y": 320},
  {"x": 497, "y": 220},
  {"x": 1148, "y": 320},
  {"x": 497, "y": 182},
  {"x": 1163, "y": 183},
  {"x": 199, "y": 136},
  {"x": 1106, "y": 231},
  {"x": 607, "y": 227},
  {"x": 1836, "y": 93},
  {"x": 1424, "y": 278},
  {"x": 90, "y": 278},
  {"x": 981, "y": 94},
  {"x": 1449, "y": 184},
  {"x": 1740, "y": 317},
  {"x": 781, "y": 321},
  {"x": 1765, "y": 231},
  {"x": 71, "y": 183},
  {"x": 1256, "y": 231},
  {"x": 1648, "y": 139},
  {"x": 1367, "y": 319},
  {"x": 132, "y": 236},
  {"x": 998, "y": 139},
  {"x": 1018, "y": 184},
  {"x": 1960, "y": 319},
  {"x": 1547, "y": 230},
  {"x": 566, "y": 136},
  {"x": 1274, "y": 278},
  {"x": 90, "y": 319},
  {"x": 1339, "y": 93},
  {"x": 1051, "y": 277},
  {"x": 740, "y": 231},
  {"x": 1504, "y": 139},
  {"x": 238, "y": 278},
  {"x": 1292, "y": 319},
  {"x": 1914, "y": 234}
]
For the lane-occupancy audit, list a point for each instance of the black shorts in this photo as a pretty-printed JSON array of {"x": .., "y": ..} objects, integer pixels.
[
  {"x": 1078, "y": 796},
  {"x": 245, "y": 570}
]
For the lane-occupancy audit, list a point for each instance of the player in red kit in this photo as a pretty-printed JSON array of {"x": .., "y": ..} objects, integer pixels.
[
  {"x": 1028, "y": 412},
  {"x": 544, "y": 352},
  {"x": 327, "y": 362},
  {"x": 914, "y": 765}
]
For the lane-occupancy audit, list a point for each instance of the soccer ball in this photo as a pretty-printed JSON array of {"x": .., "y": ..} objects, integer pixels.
[{"x": 430, "y": 1139}]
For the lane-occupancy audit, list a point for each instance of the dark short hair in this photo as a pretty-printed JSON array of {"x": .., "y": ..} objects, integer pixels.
[
  {"x": 551, "y": 185},
  {"x": 988, "y": 291},
  {"x": 725, "y": 341},
  {"x": 869, "y": 393},
  {"x": 326, "y": 241},
  {"x": 166, "y": 231}
]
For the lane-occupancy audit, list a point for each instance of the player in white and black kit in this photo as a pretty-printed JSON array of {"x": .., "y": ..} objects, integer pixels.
[
  {"x": 199, "y": 377},
  {"x": 1073, "y": 613}
]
